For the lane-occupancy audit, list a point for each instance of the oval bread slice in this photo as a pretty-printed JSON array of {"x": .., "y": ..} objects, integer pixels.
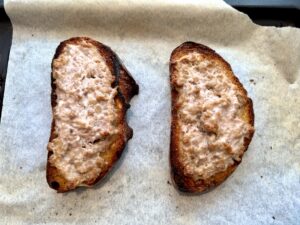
[
  {"x": 91, "y": 91},
  {"x": 212, "y": 118}
]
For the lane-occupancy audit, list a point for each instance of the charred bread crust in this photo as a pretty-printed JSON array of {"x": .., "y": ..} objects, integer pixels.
[
  {"x": 127, "y": 88},
  {"x": 183, "y": 182}
]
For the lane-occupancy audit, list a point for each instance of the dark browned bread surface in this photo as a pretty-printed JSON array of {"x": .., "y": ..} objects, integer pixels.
[
  {"x": 91, "y": 90},
  {"x": 212, "y": 118}
]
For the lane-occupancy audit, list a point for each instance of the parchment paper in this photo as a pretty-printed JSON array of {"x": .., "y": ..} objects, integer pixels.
[{"x": 264, "y": 189}]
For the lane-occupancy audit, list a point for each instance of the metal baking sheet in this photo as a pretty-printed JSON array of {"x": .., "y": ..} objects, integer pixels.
[{"x": 5, "y": 43}]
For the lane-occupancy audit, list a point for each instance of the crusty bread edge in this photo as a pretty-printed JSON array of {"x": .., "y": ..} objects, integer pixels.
[
  {"x": 181, "y": 181},
  {"x": 127, "y": 88}
]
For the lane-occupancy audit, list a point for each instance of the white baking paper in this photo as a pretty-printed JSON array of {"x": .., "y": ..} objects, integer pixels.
[{"x": 265, "y": 188}]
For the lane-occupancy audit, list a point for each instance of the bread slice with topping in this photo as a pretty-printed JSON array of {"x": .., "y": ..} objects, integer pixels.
[
  {"x": 91, "y": 91},
  {"x": 212, "y": 118}
]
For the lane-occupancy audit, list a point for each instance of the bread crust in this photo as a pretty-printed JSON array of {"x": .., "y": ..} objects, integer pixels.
[
  {"x": 183, "y": 182},
  {"x": 126, "y": 87}
]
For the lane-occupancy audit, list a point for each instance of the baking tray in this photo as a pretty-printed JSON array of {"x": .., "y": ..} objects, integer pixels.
[
  {"x": 279, "y": 13},
  {"x": 5, "y": 44},
  {"x": 268, "y": 13}
]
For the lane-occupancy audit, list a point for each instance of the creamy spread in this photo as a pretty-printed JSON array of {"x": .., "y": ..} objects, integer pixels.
[
  {"x": 84, "y": 114},
  {"x": 211, "y": 131}
]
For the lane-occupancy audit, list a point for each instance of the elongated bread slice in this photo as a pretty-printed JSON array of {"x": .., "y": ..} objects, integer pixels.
[
  {"x": 91, "y": 91},
  {"x": 212, "y": 118}
]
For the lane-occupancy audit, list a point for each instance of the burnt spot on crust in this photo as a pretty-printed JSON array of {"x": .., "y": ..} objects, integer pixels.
[{"x": 54, "y": 185}]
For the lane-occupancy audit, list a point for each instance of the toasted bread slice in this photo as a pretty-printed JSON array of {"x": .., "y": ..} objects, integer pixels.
[
  {"x": 212, "y": 118},
  {"x": 91, "y": 91}
]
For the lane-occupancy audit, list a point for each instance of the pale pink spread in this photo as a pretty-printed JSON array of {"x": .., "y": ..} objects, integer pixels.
[
  {"x": 211, "y": 131},
  {"x": 85, "y": 112}
]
